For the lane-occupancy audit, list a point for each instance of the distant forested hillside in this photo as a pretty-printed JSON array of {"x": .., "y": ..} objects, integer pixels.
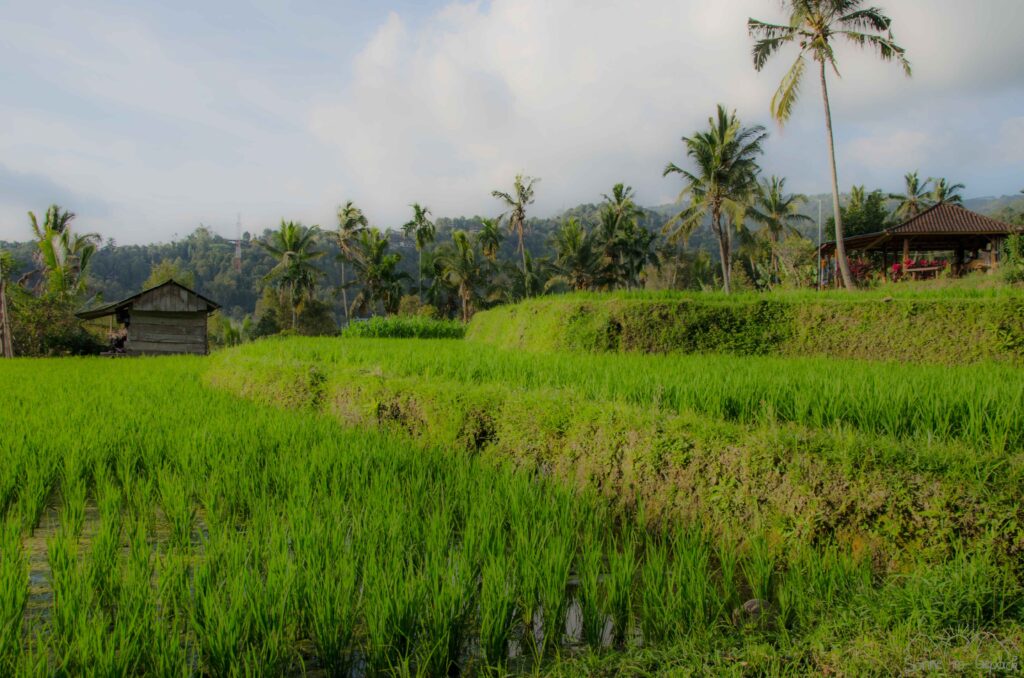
[{"x": 118, "y": 271}]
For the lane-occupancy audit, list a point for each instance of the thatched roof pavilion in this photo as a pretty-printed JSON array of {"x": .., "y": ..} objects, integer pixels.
[{"x": 973, "y": 238}]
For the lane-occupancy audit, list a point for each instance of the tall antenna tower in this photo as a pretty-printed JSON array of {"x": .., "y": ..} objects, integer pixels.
[{"x": 238, "y": 244}]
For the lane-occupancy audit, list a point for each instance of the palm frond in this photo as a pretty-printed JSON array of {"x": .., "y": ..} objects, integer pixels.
[
  {"x": 884, "y": 46},
  {"x": 866, "y": 19},
  {"x": 789, "y": 90}
]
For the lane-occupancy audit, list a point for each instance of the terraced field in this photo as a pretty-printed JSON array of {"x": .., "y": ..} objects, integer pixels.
[{"x": 446, "y": 507}]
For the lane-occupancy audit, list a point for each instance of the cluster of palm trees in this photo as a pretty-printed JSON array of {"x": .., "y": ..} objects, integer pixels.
[
  {"x": 62, "y": 256},
  {"x": 920, "y": 195},
  {"x": 722, "y": 182},
  {"x": 612, "y": 252}
]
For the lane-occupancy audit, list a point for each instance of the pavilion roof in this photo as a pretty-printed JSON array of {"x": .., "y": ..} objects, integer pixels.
[{"x": 943, "y": 223}]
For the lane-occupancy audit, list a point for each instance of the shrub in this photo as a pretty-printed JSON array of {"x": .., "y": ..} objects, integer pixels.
[
  {"x": 47, "y": 326},
  {"x": 316, "y": 320},
  {"x": 411, "y": 305},
  {"x": 1013, "y": 255},
  {"x": 267, "y": 324},
  {"x": 405, "y": 327}
]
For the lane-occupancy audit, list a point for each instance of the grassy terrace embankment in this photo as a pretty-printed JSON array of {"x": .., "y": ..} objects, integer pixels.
[
  {"x": 953, "y": 325},
  {"x": 903, "y": 459}
]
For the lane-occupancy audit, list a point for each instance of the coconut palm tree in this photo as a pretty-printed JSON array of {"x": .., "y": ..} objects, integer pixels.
[
  {"x": 376, "y": 271},
  {"x": 725, "y": 159},
  {"x": 489, "y": 238},
  {"x": 578, "y": 257},
  {"x": 62, "y": 257},
  {"x": 421, "y": 230},
  {"x": 351, "y": 222},
  {"x": 944, "y": 191},
  {"x": 461, "y": 268},
  {"x": 778, "y": 213},
  {"x": 294, "y": 247},
  {"x": 625, "y": 243},
  {"x": 814, "y": 26},
  {"x": 915, "y": 198},
  {"x": 516, "y": 202}
]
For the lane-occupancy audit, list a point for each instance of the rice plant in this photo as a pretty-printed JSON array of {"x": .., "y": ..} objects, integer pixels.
[
  {"x": 497, "y": 609},
  {"x": 623, "y": 563},
  {"x": 13, "y": 594},
  {"x": 262, "y": 540}
]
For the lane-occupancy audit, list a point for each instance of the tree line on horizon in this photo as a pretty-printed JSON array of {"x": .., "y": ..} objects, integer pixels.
[{"x": 303, "y": 274}]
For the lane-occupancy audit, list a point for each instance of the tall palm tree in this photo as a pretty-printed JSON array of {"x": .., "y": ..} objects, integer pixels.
[
  {"x": 813, "y": 26},
  {"x": 947, "y": 192},
  {"x": 725, "y": 157},
  {"x": 351, "y": 222},
  {"x": 293, "y": 245},
  {"x": 915, "y": 198},
  {"x": 516, "y": 202},
  {"x": 62, "y": 257},
  {"x": 376, "y": 270},
  {"x": 778, "y": 212},
  {"x": 421, "y": 230},
  {"x": 489, "y": 238},
  {"x": 460, "y": 267}
]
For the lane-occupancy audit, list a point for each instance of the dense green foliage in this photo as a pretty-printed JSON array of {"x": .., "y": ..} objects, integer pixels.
[
  {"x": 864, "y": 213},
  {"x": 405, "y": 327},
  {"x": 952, "y": 327},
  {"x": 45, "y": 326}
]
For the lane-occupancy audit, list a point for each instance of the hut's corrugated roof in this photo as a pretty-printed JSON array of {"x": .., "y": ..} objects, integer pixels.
[{"x": 110, "y": 309}]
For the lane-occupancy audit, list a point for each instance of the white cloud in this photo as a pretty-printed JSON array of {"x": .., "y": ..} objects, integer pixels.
[
  {"x": 584, "y": 93},
  {"x": 897, "y": 148},
  {"x": 168, "y": 120}
]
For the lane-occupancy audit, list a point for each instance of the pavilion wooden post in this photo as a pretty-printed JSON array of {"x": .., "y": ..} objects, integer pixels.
[{"x": 906, "y": 255}]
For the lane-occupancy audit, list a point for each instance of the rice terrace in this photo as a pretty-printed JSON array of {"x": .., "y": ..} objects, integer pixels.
[{"x": 743, "y": 432}]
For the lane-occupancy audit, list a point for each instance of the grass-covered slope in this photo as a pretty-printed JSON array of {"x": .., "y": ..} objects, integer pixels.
[
  {"x": 900, "y": 460},
  {"x": 942, "y": 326}
]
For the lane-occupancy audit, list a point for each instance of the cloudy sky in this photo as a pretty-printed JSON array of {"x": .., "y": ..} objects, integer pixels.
[{"x": 149, "y": 118}]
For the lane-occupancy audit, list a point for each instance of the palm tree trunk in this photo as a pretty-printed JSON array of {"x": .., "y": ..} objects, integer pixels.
[
  {"x": 344, "y": 293},
  {"x": 723, "y": 249},
  {"x": 844, "y": 266},
  {"x": 295, "y": 308},
  {"x": 419, "y": 273},
  {"x": 522, "y": 250},
  {"x": 6, "y": 349},
  {"x": 773, "y": 239}
]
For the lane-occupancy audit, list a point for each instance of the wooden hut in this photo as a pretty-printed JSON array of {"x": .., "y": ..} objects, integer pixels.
[{"x": 166, "y": 319}]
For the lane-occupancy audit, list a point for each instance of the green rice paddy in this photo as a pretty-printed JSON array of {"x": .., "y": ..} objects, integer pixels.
[{"x": 153, "y": 525}]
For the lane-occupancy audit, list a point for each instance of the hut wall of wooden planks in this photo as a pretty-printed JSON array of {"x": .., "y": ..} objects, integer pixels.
[{"x": 166, "y": 319}]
